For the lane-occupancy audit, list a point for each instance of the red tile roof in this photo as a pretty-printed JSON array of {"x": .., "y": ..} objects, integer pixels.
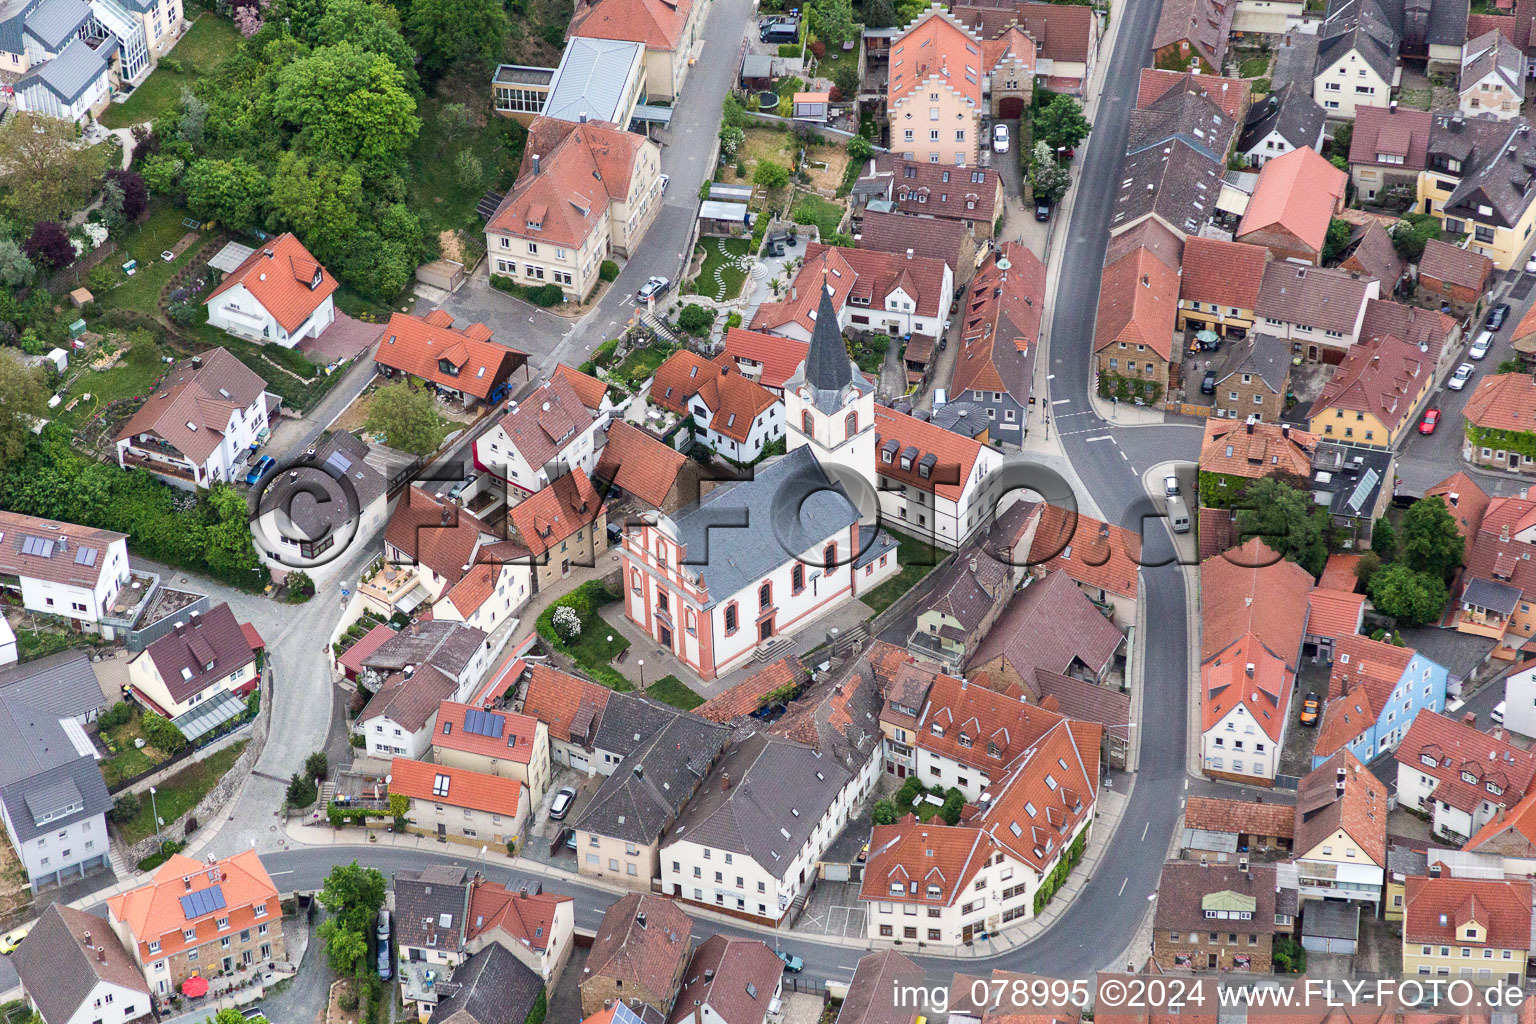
[
  {"x": 502, "y": 734},
  {"x": 369, "y": 642},
  {"x": 957, "y": 454},
  {"x": 987, "y": 719},
  {"x": 1339, "y": 572},
  {"x": 937, "y": 238},
  {"x": 923, "y": 862},
  {"x": 1296, "y": 191},
  {"x": 658, "y": 24},
  {"x": 1373, "y": 664},
  {"x": 1454, "y": 748},
  {"x": 200, "y": 652},
  {"x": 1428, "y": 327},
  {"x": 1063, "y": 32},
  {"x": 527, "y": 918},
  {"x": 1344, "y": 718},
  {"x": 1466, "y": 501},
  {"x": 436, "y": 534},
  {"x": 1521, "y": 819},
  {"x": 1382, "y": 379},
  {"x": 864, "y": 274},
  {"x": 540, "y": 426},
  {"x": 289, "y": 283},
  {"x": 1245, "y": 817},
  {"x": 61, "y": 562},
  {"x": 1226, "y": 682},
  {"x": 771, "y": 359},
  {"x": 1050, "y": 625},
  {"x": 1261, "y": 595},
  {"x": 1256, "y": 450},
  {"x": 935, "y": 46},
  {"x": 1502, "y": 908},
  {"x": 1452, "y": 264},
  {"x": 1227, "y": 273},
  {"x": 551, "y": 514},
  {"x": 1156, "y": 83},
  {"x": 1138, "y": 304},
  {"x": 1391, "y": 131},
  {"x": 1091, "y": 552},
  {"x": 1046, "y": 793},
  {"x": 583, "y": 168},
  {"x": 422, "y": 346},
  {"x": 638, "y": 464},
  {"x": 589, "y": 389},
  {"x": 1000, "y": 323},
  {"x": 1504, "y": 401},
  {"x": 643, "y": 942},
  {"x": 476, "y": 791},
  {"x": 1334, "y": 613},
  {"x": 734, "y": 401},
  {"x": 565, "y": 703},
  {"x": 1341, "y": 794},
  {"x": 747, "y": 696}
]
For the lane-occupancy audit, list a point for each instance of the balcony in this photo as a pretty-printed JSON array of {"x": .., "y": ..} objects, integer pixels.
[
  {"x": 134, "y": 596},
  {"x": 180, "y": 470},
  {"x": 388, "y": 587}
]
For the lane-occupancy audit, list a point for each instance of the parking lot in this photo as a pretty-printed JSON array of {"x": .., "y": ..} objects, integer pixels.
[{"x": 545, "y": 831}]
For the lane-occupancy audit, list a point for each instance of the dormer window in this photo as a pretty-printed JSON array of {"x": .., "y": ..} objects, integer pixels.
[
  {"x": 1469, "y": 778},
  {"x": 444, "y": 366},
  {"x": 965, "y": 741},
  {"x": 936, "y": 729}
]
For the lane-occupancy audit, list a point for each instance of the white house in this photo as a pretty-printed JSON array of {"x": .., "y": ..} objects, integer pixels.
[
  {"x": 931, "y": 481},
  {"x": 1520, "y": 702},
  {"x": 71, "y": 84},
  {"x": 74, "y": 970},
  {"x": 1492, "y": 83},
  {"x": 399, "y": 718},
  {"x": 319, "y": 536},
  {"x": 732, "y": 414},
  {"x": 200, "y": 658},
  {"x": 730, "y": 981},
  {"x": 1356, "y": 58},
  {"x": 207, "y": 411},
  {"x": 543, "y": 437},
  {"x": 1320, "y": 311},
  {"x": 877, "y": 292},
  {"x": 62, "y": 569},
  {"x": 278, "y": 294},
  {"x": 1461, "y": 777}
]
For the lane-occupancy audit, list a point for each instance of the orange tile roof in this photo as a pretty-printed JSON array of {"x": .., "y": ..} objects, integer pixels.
[
  {"x": 420, "y": 346},
  {"x": 476, "y": 791},
  {"x": 678, "y": 379},
  {"x": 1225, "y": 682},
  {"x": 469, "y": 593},
  {"x": 638, "y": 464},
  {"x": 583, "y": 168},
  {"x": 543, "y": 424},
  {"x": 865, "y": 274},
  {"x": 1156, "y": 83},
  {"x": 1138, "y": 303},
  {"x": 1047, "y": 793},
  {"x": 777, "y": 359},
  {"x": 527, "y": 918},
  {"x": 1441, "y": 261},
  {"x": 1089, "y": 551},
  {"x": 154, "y": 912},
  {"x": 1344, "y": 718},
  {"x": 588, "y": 388},
  {"x": 1228, "y": 273},
  {"x": 289, "y": 283},
  {"x": 1466, "y": 501},
  {"x": 192, "y": 407},
  {"x": 957, "y": 454},
  {"x": 1334, "y": 613},
  {"x": 1520, "y": 819},
  {"x": 436, "y": 534},
  {"x": 986, "y": 718},
  {"x": 561, "y": 701},
  {"x": 1505, "y": 401},
  {"x": 747, "y": 696},
  {"x": 1503, "y": 909},
  {"x": 551, "y": 514},
  {"x": 515, "y": 741},
  {"x": 658, "y": 24},
  {"x": 734, "y": 401},
  {"x": 1256, "y": 450},
  {"x": 1340, "y": 793},
  {"x": 1378, "y": 666},
  {"x": 1248, "y": 817},
  {"x": 936, "y": 45},
  {"x": 1455, "y": 747},
  {"x": 1261, "y": 594},
  {"x": 1296, "y": 191},
  {"x": 1339, "y": 573},
  {"x": 1382, "y": 378},
  {"x": 1015, "y": 43},
  {"x": 923, "y": 858}
]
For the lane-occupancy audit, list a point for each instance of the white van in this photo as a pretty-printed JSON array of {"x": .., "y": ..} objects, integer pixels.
[
  {"x": 1481, "y": 346},
  {"x": 1178, "y": 514}
]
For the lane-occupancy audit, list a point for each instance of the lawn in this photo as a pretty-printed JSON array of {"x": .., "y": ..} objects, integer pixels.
[
  {"x": 145, "y": 241},
  {"x": 32, "y": 643},
  {"x": 722, "y": 275},
  {"x": 130, "y": 378},
  {"x": 1254, "y": 67},
  {"x": 444, "y": 191},
  {"x": 181, "y": 792},
  {"x": 641, "y": 363},
  {"x": 917, "y": 559},
  {"x": 127, "y": 759},
  {"x": 672, "y": 690},
  {"x": 812, "y": 209},
  {"x": 598, "y": 643},
  {"x": 210, "y": 39},
  {"x": 760, "y": 144}
]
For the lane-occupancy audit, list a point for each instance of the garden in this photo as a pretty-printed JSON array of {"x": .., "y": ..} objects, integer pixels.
[
  {"x": 207, "y": 42},
  {"x": 915, "y": 798},
  {"x": 917, "y": 559},
  {"x": 135, "y": 815},
  {"x": 724, "y": 271},
  {"x": 121, "y": 728}
]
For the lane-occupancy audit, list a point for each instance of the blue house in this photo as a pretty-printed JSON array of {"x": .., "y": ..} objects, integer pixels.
[{"x": 1373, "y": 695}]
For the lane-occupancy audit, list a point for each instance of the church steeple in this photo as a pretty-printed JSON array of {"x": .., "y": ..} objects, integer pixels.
[{"x": 826, "y": 364}]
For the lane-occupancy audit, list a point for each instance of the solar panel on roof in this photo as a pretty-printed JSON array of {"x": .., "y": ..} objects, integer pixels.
[
  {"x": 85, "y": 556},
  {"x": 339, "y": 462},
  {"x": 204, "y": 901},
  {"x": 483, "y": 723},
  {"x": 1363, "y": 489},
  {"x": 40, "y": 546}
]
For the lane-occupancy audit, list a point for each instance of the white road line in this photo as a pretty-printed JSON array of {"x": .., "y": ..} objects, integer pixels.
[
  {"x": 1122, "y": 886},
  {"x": 1144, "y": 830},
  {"x": 1186, "y": 785},
  {"x": 274, "y": 874},
  {"x": 1061, "y": 401},
  {"x": 1101, "y": 437},
  {"x": 1124, "y": 456}
]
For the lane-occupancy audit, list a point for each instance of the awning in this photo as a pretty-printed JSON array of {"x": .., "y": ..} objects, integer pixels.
[
  {"x": 653, "y": 114},
  {"x": 411, "y": 601},
  {"x": 208, "y": 715}
]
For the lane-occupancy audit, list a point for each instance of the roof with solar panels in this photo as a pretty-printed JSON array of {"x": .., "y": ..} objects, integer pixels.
[
  {"x": 46, "y": 549},
  {"x": 496, "y": 734},
  {"x": 190, "y": 902}
]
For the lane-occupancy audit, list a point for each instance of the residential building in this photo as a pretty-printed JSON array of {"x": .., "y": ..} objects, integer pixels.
[
  {"x": 585, "y": 189},
  {"x": 1520, "y": 702},
  {"x": 1000, "y": 333},
  {"x": 931, "y": 237},
  {"x": 304, "y": 533},
  {"x": 437, "y": 553},
  {"x": 1340, "y": 842},
  {"x": 1374, "y": 693},
  {"x": 1371, "y": 253},
  {"x": 965, "y": 600},
  {"x": 495, "y": 743},
  {"x": 73, "y": 970},
  {"x": 1051, "y": 625},
  {"x": 207, "y": 411},
  {"x": 971, "y": 197},
  {"x": 1510, "y": 837},
  {"x": 536, "y": 927},
  {"x": 1476, "y": 184},
  {"x": 400, "y": 717},
  {"x": 1492, "y": 80},
  {"x": 63, "y": 684},
  {"x": 491, "y": 987},
  {"x": 637, "y": 467},
  {"x": 1237, "y": 828},
  {"x": 1296, "y": 197},
  {"x": 935, "y": 89},
  {"x": 1232, "y": 455},
  {"x": 1437, "y": 332},
  {"x": 198, "y": 917},
  {"x": 1476, "y": 929},
  {"x": 202, "y": 657},
  {"x": 1066, "y": 41},
  {"x": 1249, "y": 655},
  {"x": 1155, "y": 83},
  {"x": 1219, "y": 286},
  {"x": 1500, "y": 429},
  {"x": 1178, "y": 187},
  {"x": 638, "y": 955},
  {"x": 1009, "y": 64},
  {"x": 570, "y": 709},
  {"x": 1286, "y": 120},
  {"x": 872, "y": 992},
  {"x": 1466, "y": 502},
  {"x": 770, "y": 360},
  {"x": 1220, "y": 918},
  {"x": 869, "y": 291},
  {"x": 1253, "y": 379},
  {"x": 562, "y": 526},
  {"x": 1266, "y": 17},
  {"x": 670, "y": 32},
  {"x": 1457, "y": 277},
  {"x": 460, "y": 805},
  {"x": 464, "y": 365},
  {"x": 618, "y": 833},
  {"x": 1133, "y": 334},
  {"x": 731, "y": 980},
  {"x": 732, "y": 415},
  {"x": 774, "y": 684},
  {"x": 597, "y": 80},
  {"x": 58, "y": 568},
  {"x": 1358, "y": 46},
  {"x": 53, "y": 801},
  {"x": 1320, "y": 312},
  {"x": 520, "y": 92},
  {"x": 278, "y": 294},
  {"x": 1373, "y": 398},
  {"x": 1493, "y": 594},
  {"x": 1193, "y": 34},
  {"x": 1388, "y": 150},
  {"x": 546, "y": 435},
  {"x": 1333, "y": 616},
  {"x": 1187, "y": 112},
  {"x": 431, "y": 910},
  {"x": 461, "y": 653},
  {"x": 1461, "y": 777},
  {"x": 1103, "y": 560}
]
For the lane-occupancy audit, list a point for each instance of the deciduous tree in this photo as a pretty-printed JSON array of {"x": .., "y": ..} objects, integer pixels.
[
  {"x": 135, "y": 193},
  {"x": 1287, "y": 519},
  {"x": 353, "y": 894},
  {"x": 49, "y": 247},
  {"x": 450, "y": 33},
  {"x": 320, "y": 200},
  {"x": 1412, "y": 598},
  {"x": 407, "y": 418},
  {"x": 347, "y": 103},
  {"x": 228, "y": 191},
  {"x": 1430, "y": 541},
  {"x": 22, "y": 396},
  {"x": 45, "y": 171},
  {"x": 15, "y": 269},
  {"x": 1062, "y": 124},
  {"x": 831, "y": 21}
]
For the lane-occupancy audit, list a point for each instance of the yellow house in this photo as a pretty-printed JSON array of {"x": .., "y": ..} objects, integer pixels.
[
  {"x": 1476, "y": 930},
  {"x": 933, "y": 99},
  {"x": 202, "y": 657},
  {"x": 1372, "y": 398},
  {"x": 1494, "y": 205},
  {"x": 1219, "y": 285},
  {"x": 499, "y": 743}
]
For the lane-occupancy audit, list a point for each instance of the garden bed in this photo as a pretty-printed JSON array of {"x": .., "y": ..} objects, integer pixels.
[
  {"x": 672, "y": 690},
  {"x": 591, "y": 650}
]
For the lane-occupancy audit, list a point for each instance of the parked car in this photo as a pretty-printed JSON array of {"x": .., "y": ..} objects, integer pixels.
[
  {"x": 1497, "y": 317},
  {"x": 1311, "y": 709},
  {"x": 1479, "y": 348},
  {"x": 1430, "y": 421},
  {"x": 1170, "y": 485},
  {"x": 615, "y": 533},
  {"x": 463, "y": 485},
  {"x": 383, "y": 929},
  {"x": 1042, "y": 211},
  {"x": 655, "y": 288},
  {"x": 999, "y": 138},
  {"x": 792, "y": 963},
  {"x": 570, "y": 840},
  {"x": 666, "y": 179},
  {"x": 386, "y": 962},
  {"x": 262, "y": 468},
  {"x": 1497, "y": 714},
  {"x": 1208, "y": 384},
  {"x": 561, "y": 805},
  {"x": 13, "y": 938},
  {"x": 1459, "y": 379},
  {"x": 252, "y": 1012}
]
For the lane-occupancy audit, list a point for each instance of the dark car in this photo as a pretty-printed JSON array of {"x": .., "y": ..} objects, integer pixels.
[
  {"x": 615, "y": 533},
  {"x": 1311, "y": 709},
  {"x": 1042, "y": 211},
  {"x": 1498, "y": 316},
  {"x": 1208, "y": 385}
]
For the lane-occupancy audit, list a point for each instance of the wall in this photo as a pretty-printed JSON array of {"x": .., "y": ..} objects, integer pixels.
[{"x": 609, "y": 851}]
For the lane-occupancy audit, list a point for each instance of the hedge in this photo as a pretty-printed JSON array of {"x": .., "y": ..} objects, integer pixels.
[
  {"x": 545, "y": 295},
  {"x": 1058, "y": 875}
]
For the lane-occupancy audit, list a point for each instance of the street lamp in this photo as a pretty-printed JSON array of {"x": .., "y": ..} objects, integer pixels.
[
  {"x": 642, "y": 675},
  {"x": 153, "y": 809},
  {"x": 610, "y": 646}
]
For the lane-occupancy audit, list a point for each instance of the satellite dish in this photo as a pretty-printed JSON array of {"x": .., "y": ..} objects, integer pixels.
[
  {"x": 1003, "y": 264},
  {"x": 388, "y": 779}
]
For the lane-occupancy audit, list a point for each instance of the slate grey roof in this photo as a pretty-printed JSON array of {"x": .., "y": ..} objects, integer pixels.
[
  {"x": 44, "y": 770},
  {"x": 69, "y": 74},
  {"x": 873, "y": 542},
  {"x": 590, "y": 80},
  {"x": 771, "y": 796},
  {"x": 1499, "y": 161},
  {"x": 826, "y": 362},
  {"x": 59, "y": 971},
  {"x": 53, "y": 22},
  {"x": 446, "y": 646},
  {"x": 1489, "y": 52},
  {"x": 1373, "y": 28},
  {"x": 628, "y": 720},
  {"x": 1331, "y": 920},
  {"x": 967, "y": 419},
  {"x": 1447, "y": 22},
  {"x": 432, "y": 903},
  {"x": 1185, "y": 115},
  {"x": 1291, "y": 112},
  {"x": 339, "y": 457},
  {"x": 61, "y": 684},
  {"x": 1356, "y": 476},
  {"x": 742, "y": 531},
  {"x": 491, "y": 987},
  {"x": 644, "y": 794},
  {"x": 1175, "y": 181},
  {"x": 13, "y": 19},
  {"x": 1491, "y": 594},
  {"x": 1269, "y": 357}
]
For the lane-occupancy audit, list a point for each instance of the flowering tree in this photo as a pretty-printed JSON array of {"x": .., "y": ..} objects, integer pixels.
[{"x": 567, "y": 623}]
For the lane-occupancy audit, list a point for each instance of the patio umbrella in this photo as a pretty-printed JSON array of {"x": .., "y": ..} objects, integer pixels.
[
  {"x": 1206, "y": 336},
  {"x": 194, "y": 986}
]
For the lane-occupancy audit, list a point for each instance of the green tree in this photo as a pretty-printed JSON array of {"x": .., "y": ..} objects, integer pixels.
[
  {"x": 22, "y": 398},
  {"x": 846, "y": 78},
  {"x": 1430, "y": 540},
  {"x": 407, "y": 418},
  {"x": 227, "y": 542},
  {"x": 860, "y": 149},
  {"x": 374, "y": 27},
  {"x": 15, "y": 269},
  {"x": 1412, "y": 598},
  {"x": 112, "y": 205},
  {"x": 317, "y": 765},
  {"x": 879, "y": 14},
  {"x": 228, "y": 191},
  {"x": 1049, "y": 179},
  {"x": 1287, "y": 519},
  {"x": 884, "y": 813},
  {"x": 194, "y": 119},
  {"x": 162, "y": 173},
  {"x": 831, "y": 21},
  {"x": 1343, "y": 135},
  {"x": 770, "y": 175},
  {"x": 346, "y": 949},
  {"x": 732, "y": 112},
  {"x": 954, "y": 804},
  {"x": 1366, "y": 567},
  {"x": 454, "y": 120},
  {"x": 232, "y": 1015},
  {"x": 466, "y": 169},
  {"x": 453, "y": 33},
  {"x": 44, "y": 171},
  {"x": 1062, "y": 123},
  {"x": 347, "y": 103},
  {"x": 1336, "y": 241},
  {"x": 696, "y": 319},
  {"x": 1410, "y": 234},
  {"x": 320, "y": 200},
  {"x": 353, "y": 894},
  {"x": 1384, "y": 540},
  {"x": 301, "y": 790}
]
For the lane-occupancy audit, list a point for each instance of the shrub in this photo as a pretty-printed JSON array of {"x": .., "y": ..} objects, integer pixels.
[
  {"x": 604, "y": 353},
  {"x": 301, "y": 791},
  {"x": 348, "y": 999},
  {"x": 608, "y": 270},
  {"x": 190, "y": 826},
  {"x": 884, "y": 813},
  {"x": 124, "y": 809},
  {"x": 789, "y": 49},
  {"x": 696, "y": 319},
  {"x": 301, "y": 587},
  {"x": 118, "y": 714},
  {"x": 545, "y": 295},
  {"x": 162, "y": 734},
  {"x": 317, "y": 765},
  {"x": 567, "y": 623}
]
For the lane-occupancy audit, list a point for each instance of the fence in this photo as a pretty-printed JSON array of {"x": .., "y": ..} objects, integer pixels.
[{"x": 1185, "y": 409}]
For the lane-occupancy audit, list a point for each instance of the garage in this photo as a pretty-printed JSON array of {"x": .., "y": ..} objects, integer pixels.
[
  {"x": 579, "y": 762},
  {"x": 1328, "y": 927},
  {"x": 835, "y": 872}
]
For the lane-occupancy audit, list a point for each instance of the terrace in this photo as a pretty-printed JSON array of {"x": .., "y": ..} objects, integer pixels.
[
  {"x": 179, "y": 470},
  {"x": 391, "y": 587},
  {"x": 125, "y": 609}
]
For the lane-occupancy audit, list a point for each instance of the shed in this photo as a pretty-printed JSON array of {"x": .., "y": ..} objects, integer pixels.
[
  {"x": 811, "y": 106},
  {"x": 80, "y": 297},
  {"x": 757, "y": 71},
  {"x": 730, "y": 193},
  {"x": 445, "y": 274},
  {"x": 722, "y": 218},
  {"x": 1328, "y": 927}
]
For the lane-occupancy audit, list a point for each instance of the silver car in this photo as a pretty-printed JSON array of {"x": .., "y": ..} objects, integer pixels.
[
  {"x": 561, "y": 805},
  {"x": 1461, "y": 376},
  {"x": 1170, "y": 485}
]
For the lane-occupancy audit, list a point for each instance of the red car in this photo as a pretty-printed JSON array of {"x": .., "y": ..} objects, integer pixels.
[{"x": 1430, "y": 421}]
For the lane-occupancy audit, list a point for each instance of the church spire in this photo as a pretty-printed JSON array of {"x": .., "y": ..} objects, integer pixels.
[{"x": 826, "y": 364}]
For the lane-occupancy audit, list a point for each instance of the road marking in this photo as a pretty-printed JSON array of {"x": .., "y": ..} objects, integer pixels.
[
  {"x": 1124, "y": 456},
  {"x": 1061, "y": 401},
  {"x": 1186, "y": 785},
  {"x": 274, "y": 874},
  {"x": 1144, "y": 829},
  {"x": 1122, "y": 886},
  {"x": 1101, "y": 437}
]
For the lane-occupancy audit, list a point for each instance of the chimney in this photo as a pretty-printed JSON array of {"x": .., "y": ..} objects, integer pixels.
[
  {"x": 197, "y": 362},
  {"x": 535, "y": 164},
  {"x": 87, "y": 936},
  {"x": 793, "y": 292},
  {"x": 973, "y": 563},
  {"x": 909, "y": 254},
  {"x": 1250, "y": 668},
  {"x": 101, "y": 954},
  {"x": 582, "y": 117},
  {"x": 1285, "y": 430},
  {"x": 725, "y": 781},
  {"x": 446, "y": 515}
]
